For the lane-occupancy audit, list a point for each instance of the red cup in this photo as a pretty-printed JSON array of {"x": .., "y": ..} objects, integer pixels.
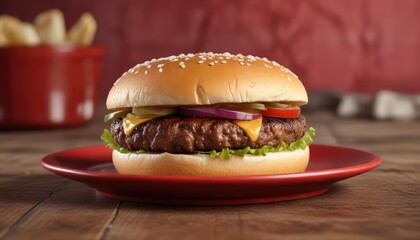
[{"x": 48, "y": 86}]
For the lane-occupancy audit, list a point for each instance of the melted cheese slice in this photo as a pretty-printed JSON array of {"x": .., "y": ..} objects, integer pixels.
[
  {"x": 129, "y": 123},
  {"x": 252, "y": 127}
]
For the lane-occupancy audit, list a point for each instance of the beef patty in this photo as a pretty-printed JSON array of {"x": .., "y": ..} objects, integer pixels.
[{"x": 183, "y": 134}]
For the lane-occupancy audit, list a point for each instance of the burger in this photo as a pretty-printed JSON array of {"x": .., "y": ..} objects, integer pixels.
[{"x": 208, "y": 114}]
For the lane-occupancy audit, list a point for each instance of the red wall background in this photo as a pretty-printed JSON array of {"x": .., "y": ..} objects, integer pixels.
[{"x": 347, "y": 45}]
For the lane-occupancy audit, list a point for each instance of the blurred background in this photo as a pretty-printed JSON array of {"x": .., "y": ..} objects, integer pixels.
[{"x": 336, "y": 47}]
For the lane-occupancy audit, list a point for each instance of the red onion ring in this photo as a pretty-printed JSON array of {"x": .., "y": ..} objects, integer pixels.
[{"x": 218, "y": 112}]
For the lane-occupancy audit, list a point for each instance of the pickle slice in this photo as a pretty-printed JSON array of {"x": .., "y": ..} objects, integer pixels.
[
  {"x": 160, "y": 111},
  {"x": 116, "y": 114},
  {"x": 257, "y": 106},
  {"x": 277, "y": 105}
]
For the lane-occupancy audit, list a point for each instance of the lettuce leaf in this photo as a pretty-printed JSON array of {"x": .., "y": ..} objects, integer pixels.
[
  {"x": 106, "y": 137},
  {"x": 301, "y": 143}
]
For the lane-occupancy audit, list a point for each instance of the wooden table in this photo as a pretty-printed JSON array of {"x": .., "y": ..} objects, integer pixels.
[{"x": 382, "y": 204}]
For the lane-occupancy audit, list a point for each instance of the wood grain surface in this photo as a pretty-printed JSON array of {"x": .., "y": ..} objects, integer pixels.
[{"x": 382, "y": 204}]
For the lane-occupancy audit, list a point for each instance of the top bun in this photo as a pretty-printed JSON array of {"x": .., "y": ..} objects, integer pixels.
[{"x": 206, "y": 78}]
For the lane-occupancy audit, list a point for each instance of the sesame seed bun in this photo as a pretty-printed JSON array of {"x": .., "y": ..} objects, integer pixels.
[
  {"x": 203, "y": 165},
  {"x": 206, "y": 78}
]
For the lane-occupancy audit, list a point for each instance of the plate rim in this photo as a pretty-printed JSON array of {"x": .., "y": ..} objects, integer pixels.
[{"x": 48, "y": 164}]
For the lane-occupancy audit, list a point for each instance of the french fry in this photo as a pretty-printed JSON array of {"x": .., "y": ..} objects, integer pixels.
[
  {"x": 18, "y": 33},
  {"x": 27, "y": 35},
  {"x": 50, "y": 27},
  {"x": 83, "y": 32},
  {"x": 6, "y": 19},
  {"x": 3, "y": 40},
  {"x": 6, "y": 23}
]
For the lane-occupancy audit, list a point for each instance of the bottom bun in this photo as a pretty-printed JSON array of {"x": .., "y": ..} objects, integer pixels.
[{"x": 204, "y": 165}]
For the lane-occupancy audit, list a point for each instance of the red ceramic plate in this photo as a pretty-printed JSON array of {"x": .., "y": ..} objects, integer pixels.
[{"x": 93, "y": 166}]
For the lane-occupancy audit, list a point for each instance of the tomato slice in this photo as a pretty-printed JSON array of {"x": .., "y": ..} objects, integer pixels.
[{"x": 292, "y": 112}]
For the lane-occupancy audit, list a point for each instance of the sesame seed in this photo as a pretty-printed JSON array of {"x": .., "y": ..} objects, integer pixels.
[
  {"x": 211, "y": 64},
  {"x": 251, "y": 57},
  {"x": 223, "y": 61},
  {"x": 182, "y": 66},
  {"x": 201, "y": 61},
  {"x": 220, "y": 58},
  {"x": 267, "y": 65},
  {"x": 146, "y": 72},
  {"x": 149, "y": 66},
  {"x": 282, "y": 69},
  {"x": 160, "y": 69},
  {"x": 181, "y": 63},
  {"x": 153, "y": 60},
  {"x": 181, "y": 55},
  {"x": 240, "y": 60},
  {"x": 216, "y": 61},
  {"x": 248, "y": 64},
  {"x": 187, "y": 58},
  {"x": 160, "y": 65},
  {"x": 242, "y": 63}
]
